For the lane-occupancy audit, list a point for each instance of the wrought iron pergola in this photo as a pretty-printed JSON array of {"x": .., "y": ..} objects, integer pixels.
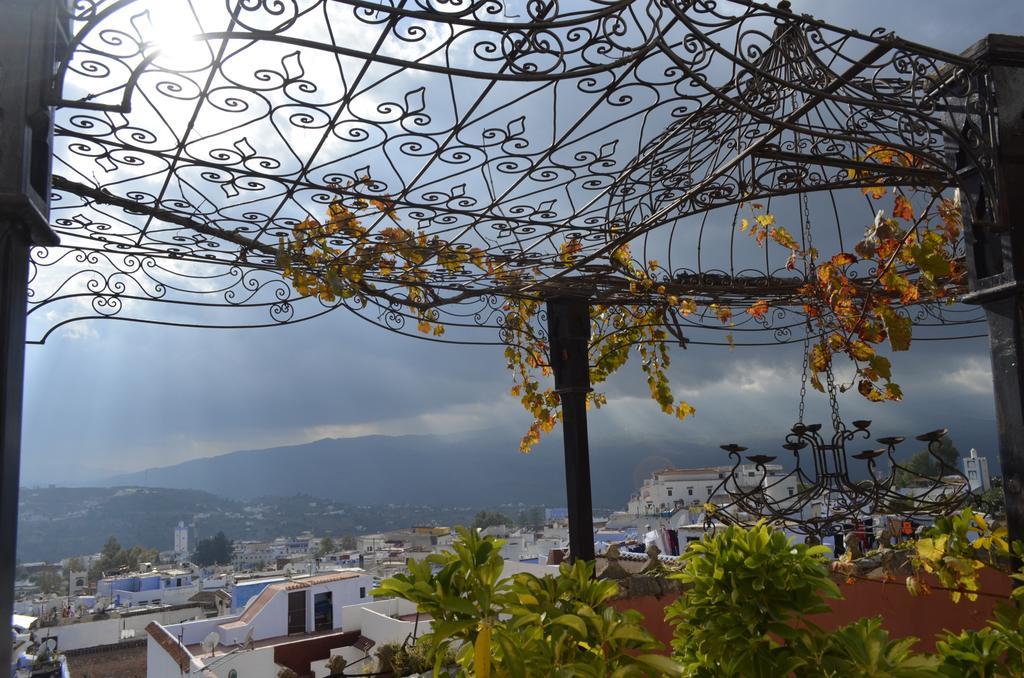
[{"x": 189, "y": 138}]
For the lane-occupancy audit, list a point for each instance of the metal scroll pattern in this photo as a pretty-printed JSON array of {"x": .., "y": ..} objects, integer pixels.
[{"x": 193, "y": 135}]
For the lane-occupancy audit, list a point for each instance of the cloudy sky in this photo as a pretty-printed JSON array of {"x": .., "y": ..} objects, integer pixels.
[{"x": 110, "y": 397}]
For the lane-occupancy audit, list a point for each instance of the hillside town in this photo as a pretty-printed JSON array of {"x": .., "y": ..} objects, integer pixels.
[{"x": 258, "y": 607}]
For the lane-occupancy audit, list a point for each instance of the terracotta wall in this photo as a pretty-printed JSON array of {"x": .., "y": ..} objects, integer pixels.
[
  {"x": 298, "y": 655},
  {"x": 902, "y": 614}
]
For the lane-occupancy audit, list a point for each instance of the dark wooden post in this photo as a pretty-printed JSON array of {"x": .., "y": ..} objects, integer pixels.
[
  {"x": 28, "y": 43},
  {"x": 991, "y": 115},
  {"x": 569, "y": 338}
]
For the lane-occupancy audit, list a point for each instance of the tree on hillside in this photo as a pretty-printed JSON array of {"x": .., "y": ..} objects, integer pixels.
[
  {"x": 326, "y": 546},
  {"x": 213, "y": 551},
  {"x": 531, "y": 517},
  {"x": 348, "y": 543},
  {"x": 111, "y": 549},
  {"x": 49, "y": 583},
  {"x": 485, "y": 519},
  {"x": 113, "y": 558},
  {"x": 924, "y": 464}
]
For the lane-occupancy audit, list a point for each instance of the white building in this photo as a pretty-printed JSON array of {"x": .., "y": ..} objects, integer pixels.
[
  {"x": 673, "y": 488},
  {"x": 88, "y": 632},
  {"x": 78, "y": 582},
  {"x": 290, "y": 623},
  {"x": 181, "y": 541},
  {"x": 976, "y": 470},
  {"x": 373, "y": 624},
  {"x": 163, "y": 587}
]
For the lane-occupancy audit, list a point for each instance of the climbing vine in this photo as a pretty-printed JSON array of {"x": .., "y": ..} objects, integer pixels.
[{"x": 909, "y": 253}]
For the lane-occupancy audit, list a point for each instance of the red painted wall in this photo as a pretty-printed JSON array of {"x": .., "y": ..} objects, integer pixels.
[
  {"x": 902, "y": 614},
  {"x": 298, "y": 655}
]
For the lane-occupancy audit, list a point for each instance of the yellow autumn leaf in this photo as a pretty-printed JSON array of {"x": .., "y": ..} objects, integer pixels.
[
  {"x": 932, "y": 549},
  {"x": 684, "y": 410},
  {"x": 482, "y": 652}
]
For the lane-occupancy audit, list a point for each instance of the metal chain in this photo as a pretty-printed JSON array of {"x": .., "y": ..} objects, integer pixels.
[
  {"x": 833, "y": 400},
  {"x": 830, "y": 382},
  {"x": 803, "y": 377},
  {"x": 805, "y": 233}
]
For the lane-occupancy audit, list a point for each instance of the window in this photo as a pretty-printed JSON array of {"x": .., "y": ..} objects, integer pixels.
[
  {"x": 670, "y": 491},
  {"x": 323, "y": 611},
  {"x": 750, "y": 473},
  {"x": 791, "y": 491},
  {"x": 689, "y": 491},
  {"x": 710, "y": 489},
  {"x": 362, "y": 591}
]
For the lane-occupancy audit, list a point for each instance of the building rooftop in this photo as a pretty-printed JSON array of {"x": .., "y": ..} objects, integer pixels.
[{"x": 344, "y": 638}]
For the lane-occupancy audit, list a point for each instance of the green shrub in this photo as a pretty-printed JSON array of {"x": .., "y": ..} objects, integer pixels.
[
  {"x": 523, "y": 625},
  {"x": 749, "y": 592},
  {"x": 406, "y": 660},
  {"x": 743, "y": 591}
]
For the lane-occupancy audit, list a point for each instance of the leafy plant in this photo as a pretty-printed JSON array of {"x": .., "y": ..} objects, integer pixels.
[
  {"x": 972, "y": 653},
  {"x": 750, "y": 590},
  {"x": 947, "y": 551},
  {"x": 336, "y": 664},
  {"x": 863, "y": 649},
  {"x": 407, "y": 659},
  {"x": 745, "y": 589},
  {"x": 523, "y": 625}
]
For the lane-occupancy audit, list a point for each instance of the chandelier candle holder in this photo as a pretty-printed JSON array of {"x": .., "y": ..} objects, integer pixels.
[{"x": 824, "y": 491}]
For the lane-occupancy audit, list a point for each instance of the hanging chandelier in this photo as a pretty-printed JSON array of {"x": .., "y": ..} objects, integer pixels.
[{"x": 833, "y": 485}]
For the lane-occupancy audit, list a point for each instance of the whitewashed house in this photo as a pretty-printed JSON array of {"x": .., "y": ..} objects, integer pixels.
[{"x": 289, "y": 623}]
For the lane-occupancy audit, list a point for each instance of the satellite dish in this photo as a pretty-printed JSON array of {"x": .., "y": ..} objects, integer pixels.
[
  {"x": 248, "y": 642},
  {"x": 210, "y": 642}
]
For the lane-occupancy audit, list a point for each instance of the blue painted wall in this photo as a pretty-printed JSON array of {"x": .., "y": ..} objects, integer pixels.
[{"x": 245, "y": 592}]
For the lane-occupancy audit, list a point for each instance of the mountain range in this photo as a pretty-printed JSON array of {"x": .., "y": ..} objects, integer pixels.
[
  {"x": 466, "y": 469},
  {"x": 340, "y": 486},
  {"x": 477, "y": 468}
]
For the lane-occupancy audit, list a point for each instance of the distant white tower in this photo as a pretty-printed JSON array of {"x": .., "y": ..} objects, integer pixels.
[
  {"x": 976, "y": 470},
  {"x": 181, "y": 540}
]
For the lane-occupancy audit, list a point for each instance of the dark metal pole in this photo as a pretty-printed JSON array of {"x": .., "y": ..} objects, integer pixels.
[
  {"x": 29, "y": 39},
  {"x": 991, "y": 115},
  {"x": 569, "y": 337}
]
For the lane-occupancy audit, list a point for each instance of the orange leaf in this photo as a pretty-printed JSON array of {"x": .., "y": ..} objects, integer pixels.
[
  {"x": 903, "y": 209},
  {"x": 843, "y": 259},
  {"x": 759, "y": 308},
  {"x": 910, "y": 295},
  {"x": 783, "y": 237}
]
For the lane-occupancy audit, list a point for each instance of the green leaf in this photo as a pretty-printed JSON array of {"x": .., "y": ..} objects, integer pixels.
[
  {"x": 898, "y": 328},
  {"x": 663, "y": 665},
  {"x": 573, "y": 622}
]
